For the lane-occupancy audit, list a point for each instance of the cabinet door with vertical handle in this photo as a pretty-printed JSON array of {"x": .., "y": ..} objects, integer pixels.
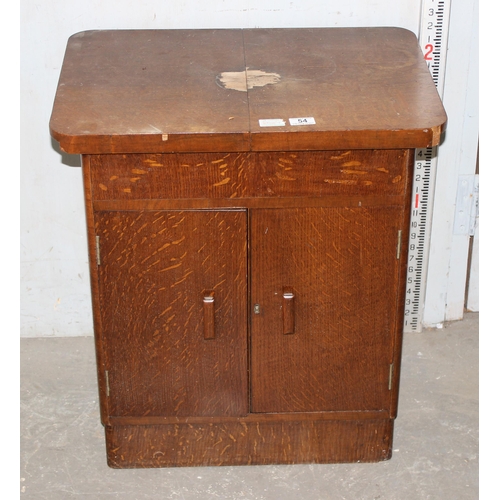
[
  {"x": 325, "y": 281},
  {"x": 172, "y": 292}
]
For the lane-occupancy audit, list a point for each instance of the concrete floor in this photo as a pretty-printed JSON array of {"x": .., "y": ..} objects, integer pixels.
[{"x": 435, "y": 443}]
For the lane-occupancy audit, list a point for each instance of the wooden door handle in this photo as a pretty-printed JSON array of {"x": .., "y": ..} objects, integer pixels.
[
  {"x": 288, "y": 311},
  {"x": 208, "y": 314}
]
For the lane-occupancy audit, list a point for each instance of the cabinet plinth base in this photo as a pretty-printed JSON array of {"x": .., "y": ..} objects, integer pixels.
[{"x": 249, "y": 443}]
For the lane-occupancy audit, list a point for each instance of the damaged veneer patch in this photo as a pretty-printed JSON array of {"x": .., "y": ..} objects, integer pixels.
[{"x": 246, "y": 80}]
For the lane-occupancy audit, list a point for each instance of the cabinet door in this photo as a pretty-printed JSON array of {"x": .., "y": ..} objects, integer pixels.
[
  {"x": 173, "y": 306},
  {"x": 325, "y": 281}
]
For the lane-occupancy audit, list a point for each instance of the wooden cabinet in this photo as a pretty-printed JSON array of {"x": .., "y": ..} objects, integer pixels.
[{"x": 248, "y": 199}]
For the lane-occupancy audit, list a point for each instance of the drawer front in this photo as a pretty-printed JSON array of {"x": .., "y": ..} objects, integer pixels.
[{"x": 248, "y": 175}]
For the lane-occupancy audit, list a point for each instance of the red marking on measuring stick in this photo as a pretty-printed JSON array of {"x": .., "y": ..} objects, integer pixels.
[
  {"x": 416, "y": 200},
  {"x": 428, "y": 55}
]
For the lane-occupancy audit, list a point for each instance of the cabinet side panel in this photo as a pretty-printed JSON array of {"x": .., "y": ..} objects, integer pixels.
[
  {"x": 173, "y": 306},
  {"x": 402, "y": 286},
  {"x": 94, "y": 283},
  {"x": 340, "y": 265}
]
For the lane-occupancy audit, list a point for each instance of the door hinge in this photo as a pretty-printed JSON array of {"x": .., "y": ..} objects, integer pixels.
[
  {"x": 97, "y": 250},
  {"x": 467, "y": 205},
  {"x": 398, "y": 249},
  {"x": 106, "y": 376},
  {"x": 391, "y": 369}
]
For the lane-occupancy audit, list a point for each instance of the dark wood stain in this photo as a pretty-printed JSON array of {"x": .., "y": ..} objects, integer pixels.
[
  {"x": 156, "y": 91},
  {"x": 262, "y": 443},
  {"x": 249, "y": 175},
  {"x": 155, "y": 267},
  {"x": 341, "y": 265},
  {"x": 247, "y": 288}
]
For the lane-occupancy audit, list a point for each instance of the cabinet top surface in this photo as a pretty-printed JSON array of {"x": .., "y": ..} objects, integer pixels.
[{"x": 126, "y": 91}]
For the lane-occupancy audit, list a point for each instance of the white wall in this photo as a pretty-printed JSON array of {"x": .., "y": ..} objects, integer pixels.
[
  {"x": 55, "y": 289},
  {"x": 447, "y": 273}
]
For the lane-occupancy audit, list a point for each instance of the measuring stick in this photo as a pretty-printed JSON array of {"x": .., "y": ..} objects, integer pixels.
[{"x": 433, "y": 38}]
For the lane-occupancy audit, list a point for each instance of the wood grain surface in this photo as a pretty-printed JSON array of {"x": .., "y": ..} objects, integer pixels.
[
  {"x": 247, "y": 275},
  {"x": 170, "y": 364},
  {"x": 155, "y": 268},
  {"x": 342, "y": 267},
  {"x": 249, "y": 175},
  {"x": 124, "y": 91},
  {"x": 264, "y": 443}
]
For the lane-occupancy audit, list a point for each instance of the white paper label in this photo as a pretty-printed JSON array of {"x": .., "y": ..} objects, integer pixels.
[
  {"x": 309, "y": 120},
  {"x": 272, "y": 122}
]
